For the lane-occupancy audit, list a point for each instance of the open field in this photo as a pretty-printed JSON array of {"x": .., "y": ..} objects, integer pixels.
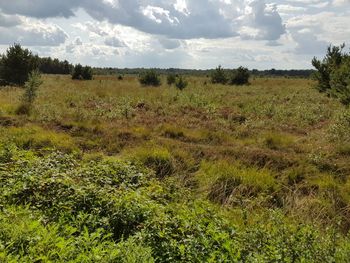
[{"x": 214, "y": 173}]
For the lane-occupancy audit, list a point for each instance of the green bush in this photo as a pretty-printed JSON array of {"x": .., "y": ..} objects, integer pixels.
[
  {"x": 31, "y": 86},
  {"x": 333, "y": 73},
  {"x": 171, "y": 79},
  {"x": 240, "y": 76},
  {"x": 82, "y": 73},
  {"x": 87, "y": 73},
  {"x": 16, "y": 65},
  {"x": 61, "y": 208},
  {"x": 150, "y": 78},
  {"x": 218, "y": 76},
  {"x": 180, "y": 83}
]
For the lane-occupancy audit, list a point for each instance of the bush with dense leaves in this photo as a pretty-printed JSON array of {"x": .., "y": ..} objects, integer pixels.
[
  {"x": 218, "y": 76},
  {"x": 333, "y": 73},
  {"x": 16, "y": 65},
  {"x": 240, "y": 76},
  {"x": 82, "y": 73},
  {"x": 150, "y": 78},
  {"x": 181, "y": 83},
  {"x": 171, "y": 79},
  {"x": 62, "y": 208}
]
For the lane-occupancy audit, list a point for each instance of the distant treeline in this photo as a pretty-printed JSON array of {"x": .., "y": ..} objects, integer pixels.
[
  {"x": 304, "y": 73},
  {"x": 47, "y": 65}
]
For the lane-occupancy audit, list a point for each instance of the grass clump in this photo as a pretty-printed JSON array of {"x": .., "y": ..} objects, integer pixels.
[
  {"x": 157, "y": 159},
  {"x": 34, "y": 137},
  {"x": 276, "y": 141},
  {"x": 224, "y": 181}
]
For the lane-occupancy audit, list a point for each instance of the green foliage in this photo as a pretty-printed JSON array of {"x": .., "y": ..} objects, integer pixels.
[
  {"x": 171, "y": 79},
  {"x": 54, "y": 66},
  {"x": 82, "y": 73},
  {"x": 16, "y": 65},
  {"x": 180, "y": 83},
  {"x": 61, "y": 208},
  {"x": 240, "y": 76},
  {"x": 340, "y": 81},
  {"x": 150, "y": 78},
  {"x": 192, "y": 233},
  {"x": 333, "y": 73},
  {"x": 87, "y": 73},
  {"x": 219, "y": 76},
  {"x": 31, "y": 87}
]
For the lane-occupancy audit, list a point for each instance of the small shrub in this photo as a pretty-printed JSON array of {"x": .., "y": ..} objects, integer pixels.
[
  {"x": 87, "y": 73},
  {"x": 150, "y": 78},
  {"x": 82, "y": 73},
  {"x": 31, "y": 87},
  {"x": 180, "y": 83},
  {"x": 171, "y": 79},
  {"x": 218, "y": 76},
  {"x": 240, "y": 76},
  {"x": 120, "y": 77}
]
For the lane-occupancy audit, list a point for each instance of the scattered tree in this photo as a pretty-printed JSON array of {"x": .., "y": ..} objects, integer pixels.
[
  {"x": 150, "y": 78},
  {"x": 16, "y": 65},
  {"x": 82, "y": 73},
  {"x": 219, "y": 76},
  {"x": 333, "y": 73},
  {"x": 30, "y": 92},
  {"x": 240, "y": 76},
  {"x": 87, "y": 73},
  {"x": 180, "y": 83}
]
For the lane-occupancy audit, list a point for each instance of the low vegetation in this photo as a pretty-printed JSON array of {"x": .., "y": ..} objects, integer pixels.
[{"x": 108, "y": 171}]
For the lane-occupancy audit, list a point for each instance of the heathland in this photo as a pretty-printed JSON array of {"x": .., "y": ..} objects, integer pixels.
[{"x": 108, "y": 170}]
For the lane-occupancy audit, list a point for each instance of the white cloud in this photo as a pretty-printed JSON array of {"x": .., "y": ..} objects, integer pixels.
[
  {"x": 177, "y": 33},
  {"x": 29, "y": 32}
]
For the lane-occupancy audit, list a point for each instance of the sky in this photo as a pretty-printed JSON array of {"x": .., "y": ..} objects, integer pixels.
[{"x": 193, "y": 34}]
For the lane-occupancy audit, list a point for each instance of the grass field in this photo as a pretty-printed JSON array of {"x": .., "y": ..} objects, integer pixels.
[{"x": 110, "y": 171}]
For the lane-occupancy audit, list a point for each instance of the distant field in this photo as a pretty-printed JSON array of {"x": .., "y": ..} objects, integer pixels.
[{"x": 270, "y": 160}]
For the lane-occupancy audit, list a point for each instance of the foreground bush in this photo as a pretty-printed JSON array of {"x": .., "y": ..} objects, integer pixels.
[
  {"x": 61, "y": 208},
  {"x": 333, "y": 73},
  {"x": 150, "y": 78}
]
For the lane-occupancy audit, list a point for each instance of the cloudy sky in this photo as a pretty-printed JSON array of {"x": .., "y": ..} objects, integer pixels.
[{"x": 177, "y": 33}]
